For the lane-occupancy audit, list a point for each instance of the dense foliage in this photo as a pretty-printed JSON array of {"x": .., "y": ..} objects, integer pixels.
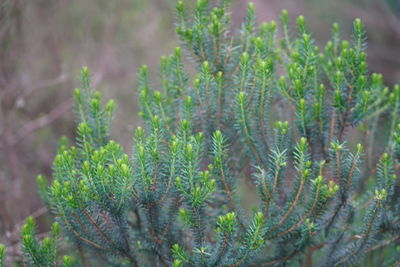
[{"x": 268, "y": 113}]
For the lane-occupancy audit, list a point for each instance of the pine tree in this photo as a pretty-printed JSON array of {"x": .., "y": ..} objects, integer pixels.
[{"x": 267, "y": 108}]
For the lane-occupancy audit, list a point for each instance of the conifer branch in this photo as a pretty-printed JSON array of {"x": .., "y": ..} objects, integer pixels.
[{"x": 267, "y": 106}]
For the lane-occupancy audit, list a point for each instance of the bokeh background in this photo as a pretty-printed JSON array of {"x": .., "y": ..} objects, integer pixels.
[{"x": 44, "y": 43}]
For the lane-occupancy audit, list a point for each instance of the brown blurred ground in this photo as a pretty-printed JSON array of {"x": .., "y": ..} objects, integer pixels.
[{"x": 44, "y": 43}]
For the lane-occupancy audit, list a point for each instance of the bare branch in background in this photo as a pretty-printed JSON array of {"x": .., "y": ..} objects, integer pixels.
[
  {"x": 63, "y": 77},
  {"x": 42, "y": 121}
]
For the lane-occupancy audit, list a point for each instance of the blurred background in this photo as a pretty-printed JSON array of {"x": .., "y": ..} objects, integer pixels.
[{"x": 44, "y": 43}]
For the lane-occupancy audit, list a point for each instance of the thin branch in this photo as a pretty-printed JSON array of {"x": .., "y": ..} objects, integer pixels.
[{"x": 41, "y": 122}]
